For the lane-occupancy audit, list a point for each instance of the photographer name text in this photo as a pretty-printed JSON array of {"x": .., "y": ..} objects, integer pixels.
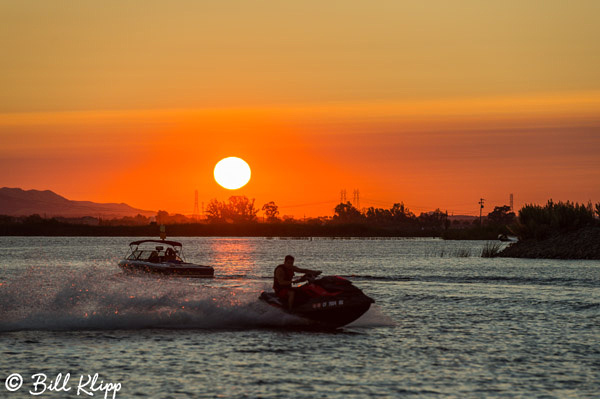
[{"x": 88, "y": 385}]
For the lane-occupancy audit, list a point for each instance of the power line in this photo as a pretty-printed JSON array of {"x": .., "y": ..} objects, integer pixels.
[
  {"x": 309, "y": 204},
  {"x": 377, "y": 202}
]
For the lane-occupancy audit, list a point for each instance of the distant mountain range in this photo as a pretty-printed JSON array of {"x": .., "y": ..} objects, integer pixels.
[{"x": 18, "y": 202}]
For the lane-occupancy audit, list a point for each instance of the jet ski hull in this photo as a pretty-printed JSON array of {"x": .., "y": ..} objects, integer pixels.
[
  {"x": 330, "y": 313},
  {"x": 334, "y": 307}
]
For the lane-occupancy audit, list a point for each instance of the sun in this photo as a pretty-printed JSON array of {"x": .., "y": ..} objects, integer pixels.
[{"x": 232, "y": 173}]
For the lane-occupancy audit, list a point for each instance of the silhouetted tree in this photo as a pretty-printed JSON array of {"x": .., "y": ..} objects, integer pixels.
[
  {"x": 138, "y": 220},
  {"x": 271, "y": 211},
  {"x": 378, "y": 216},
  {"x": 34, "y": 219},
  {"x": 347, "y": 213},
  {"x": 163, "y": 217},
  {"x": 434, "y": 220},
  {"x": 215, "y": 211},
  {"x": 4, "y": 219},
  {"x": 241, "y": 209},
  {"x": 400, "y": 213},
  {"x": 540, "y": 222},
  {"x": 501, "y": 215},
  {"x": 237, "y": 209}
]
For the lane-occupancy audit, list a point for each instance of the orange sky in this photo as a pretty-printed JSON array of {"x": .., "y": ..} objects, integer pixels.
[{"x": 430, "y": 104}]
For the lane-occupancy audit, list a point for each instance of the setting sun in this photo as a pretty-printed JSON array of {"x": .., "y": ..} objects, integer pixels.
[{"x": 232, "y": 173}]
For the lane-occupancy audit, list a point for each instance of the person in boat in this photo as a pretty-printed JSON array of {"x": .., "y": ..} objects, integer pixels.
[
  {"x": 170, "y": 255},
  {"x": 284, "y": 277},
  {"x": 153, "y": 257}
]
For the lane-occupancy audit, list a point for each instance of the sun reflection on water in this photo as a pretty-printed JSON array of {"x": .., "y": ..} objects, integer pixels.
[{"x": 233, "y": 257}]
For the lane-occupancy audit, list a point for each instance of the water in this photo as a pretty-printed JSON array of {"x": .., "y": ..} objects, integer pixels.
[{"x": 450, "y": 326}]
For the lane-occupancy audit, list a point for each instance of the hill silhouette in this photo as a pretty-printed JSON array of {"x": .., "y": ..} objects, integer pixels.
[{"x": 19, "y": 202}]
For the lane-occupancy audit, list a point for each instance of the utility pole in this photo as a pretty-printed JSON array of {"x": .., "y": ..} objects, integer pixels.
[
  {"x": 481, "y": 200},
  {"x": 196, "y": 213}
]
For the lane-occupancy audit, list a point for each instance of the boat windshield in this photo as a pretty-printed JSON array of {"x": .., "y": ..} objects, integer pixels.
[{"x": 157, "y": 255}]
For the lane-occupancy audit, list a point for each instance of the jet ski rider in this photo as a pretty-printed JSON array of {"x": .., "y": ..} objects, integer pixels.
[{"x": 284, "y": 277}]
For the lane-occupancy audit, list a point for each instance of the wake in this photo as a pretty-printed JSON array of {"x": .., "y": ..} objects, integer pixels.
[{"x": 97, "y": 300}]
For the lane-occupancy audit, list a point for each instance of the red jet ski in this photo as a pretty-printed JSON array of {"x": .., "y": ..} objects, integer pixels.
[{"x": 330, "y": 301}]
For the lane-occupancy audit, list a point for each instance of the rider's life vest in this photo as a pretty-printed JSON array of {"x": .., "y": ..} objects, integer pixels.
[{"x": 289, "y": 275}]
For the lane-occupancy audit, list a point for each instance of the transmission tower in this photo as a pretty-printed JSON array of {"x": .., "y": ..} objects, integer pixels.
[
  {"x": 511, "y": 203},
  {"x": 343, "y": 196},
  {"x": 356, "y": 198},
  {"x": 196, "y": 213}
]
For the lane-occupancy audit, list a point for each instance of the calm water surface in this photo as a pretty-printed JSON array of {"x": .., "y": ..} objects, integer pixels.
[{"x": 445, "y": 325}]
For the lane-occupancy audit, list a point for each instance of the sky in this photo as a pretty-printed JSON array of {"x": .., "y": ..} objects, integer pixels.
[{"x": 432, "y": 103}]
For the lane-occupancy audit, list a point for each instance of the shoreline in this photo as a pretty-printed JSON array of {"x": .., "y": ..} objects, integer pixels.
[{"x": 581, "y": 244}]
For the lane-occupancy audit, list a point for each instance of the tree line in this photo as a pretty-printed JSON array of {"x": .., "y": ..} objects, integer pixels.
[{"x": 239, "y": 216}]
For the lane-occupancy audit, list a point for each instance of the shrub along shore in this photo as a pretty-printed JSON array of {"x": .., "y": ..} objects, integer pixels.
[
  {"x": 557, "y": 231},
  {"x": 579, "y": 244}
]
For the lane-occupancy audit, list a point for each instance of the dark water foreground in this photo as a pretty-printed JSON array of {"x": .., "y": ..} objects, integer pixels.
[{"x": 443, "y": 326}]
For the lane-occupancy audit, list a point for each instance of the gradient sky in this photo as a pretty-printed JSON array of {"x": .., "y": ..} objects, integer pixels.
[{"x": 434, "y": 103}]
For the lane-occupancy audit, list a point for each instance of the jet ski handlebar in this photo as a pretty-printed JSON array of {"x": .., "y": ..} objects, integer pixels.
[{"x": 310, "y": 277}]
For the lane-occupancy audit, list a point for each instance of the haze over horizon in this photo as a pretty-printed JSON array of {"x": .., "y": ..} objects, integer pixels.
[{"x": 433, "y": 104}]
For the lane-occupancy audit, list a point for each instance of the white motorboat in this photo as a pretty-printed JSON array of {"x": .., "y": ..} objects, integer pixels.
[{"x": 161, "y": 257}]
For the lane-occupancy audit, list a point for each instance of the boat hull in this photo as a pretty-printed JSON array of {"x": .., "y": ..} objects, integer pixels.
[{"x": 167, "y": 268}]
